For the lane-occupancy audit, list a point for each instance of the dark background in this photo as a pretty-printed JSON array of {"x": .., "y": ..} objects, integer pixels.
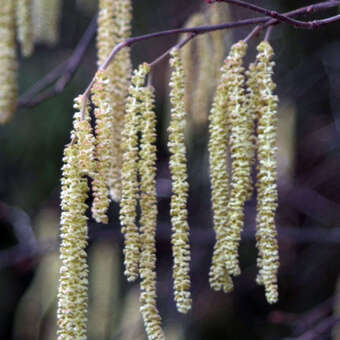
[{"x": 31, "y": 145}]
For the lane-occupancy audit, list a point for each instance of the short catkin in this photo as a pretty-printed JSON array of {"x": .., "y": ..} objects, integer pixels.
[
  {"x": 8, "y": 61},
  {"x": 128, "y": 203},
  {"x": 180, "y": 186},
  {"x": 25, "y": 26},
  {"x": 148, "y": 219},
  {"x": 46, "y": 18},
  {"x": 268, "y": 259}
]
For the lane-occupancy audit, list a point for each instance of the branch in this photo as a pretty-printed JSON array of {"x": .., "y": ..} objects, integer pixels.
[
  {"x": 62, "y": 74},
  {"x": 282, "y": 17},
  {"x": 205, "y": 29}
]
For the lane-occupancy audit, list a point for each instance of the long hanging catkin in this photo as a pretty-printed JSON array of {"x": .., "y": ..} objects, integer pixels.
[
  {"x": 73, "y": 281},
  {"x": 114, "y": 25},
  {"x": 25, "y": 26},
  {"x": 128, "y": 203},
  {"x": 219, "y": 174},
  {"x": 180, "y": 186},
  {"x": 240, "y": 169},
  {"x": 266, "y": 109},
  {"x": 148, "y": 220},
  {"x": 8, "y": 61}
]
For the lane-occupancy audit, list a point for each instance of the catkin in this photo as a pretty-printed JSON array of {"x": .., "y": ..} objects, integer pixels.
[
  {"x": 46, "y": 17},
  {"x": 187, "y": 56},
  {"x": 178, "y": 168},
  {"x": 128, "y": 203},
  {"x": 8, "y": 61},
  {"x": 268, "y": 260},
  {"x": 238, "y": 142},
  {"x": 219, "y": 174},
  {"x": 114, "y": 26},
  {"x": 25, "y": 26},
  {"x": 103, "y": 114},
  {"x": 73, "y": 274},
  {"x": 148, "y": 220}
]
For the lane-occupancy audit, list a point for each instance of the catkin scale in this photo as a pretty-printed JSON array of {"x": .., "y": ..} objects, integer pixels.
[
  {"x": 266, "y": 235},
  {"x": 178, "y": 169},
  {"x": 8, "y": 61}
]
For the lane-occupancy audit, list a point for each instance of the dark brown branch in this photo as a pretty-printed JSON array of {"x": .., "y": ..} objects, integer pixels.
[
  {"x": 62, "y": 74},
  {"x": 283, "y": 17}
]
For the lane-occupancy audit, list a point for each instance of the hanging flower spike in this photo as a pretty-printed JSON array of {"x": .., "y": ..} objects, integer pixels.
[
  {"x": 268, "y": 261},
  {"x": 114, "y": 26},
  {"x": 178, "y": 168},
  {"x": 239, "y": 155},
  {"x": 148, "y": 221},
  {"x": 73, "y": 279},
  {"x": 128, "y": 203},
  {"x": 187, "y": 55},
  {"x": 121, "y": 74},
  {"x": 25, "y": 26},
  {"x": 46, "y": 18},
  {"x": 8, "y": 74},
  {"x": 103, "y": 114},
  {"x": 218, "y": 158}
]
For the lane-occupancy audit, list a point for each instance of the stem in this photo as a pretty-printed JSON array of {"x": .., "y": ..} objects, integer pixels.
[
  {"x": 277, "y": 17},
  {"x": 283, "y": 17}
]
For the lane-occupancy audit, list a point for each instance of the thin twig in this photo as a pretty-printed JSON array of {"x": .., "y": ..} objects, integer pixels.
[
  {"x": 283, "y": 17},
  {"x": 205, "y": 29},
  {"x": 62, "y": 73}
]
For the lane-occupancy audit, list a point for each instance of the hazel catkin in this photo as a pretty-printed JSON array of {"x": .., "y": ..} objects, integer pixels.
[
  {"x": 148, "y": 219},
  {"x": 8, "y": 61},
  {"x": 266, "y": 110},
  {"x": 128, "y": 203},
  {"x": 180, "y": 187}
]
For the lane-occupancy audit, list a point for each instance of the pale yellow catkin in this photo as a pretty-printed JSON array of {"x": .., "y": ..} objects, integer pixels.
[
  {"x": 219, "y": 277},
  {"x": 73, "y": 273},
  {"x": 25, "y": 26},
  {"x": 121, "y": 75},
  {"x": 187, "y": 55},
  {"x": 114, "y": 26},
  {"x": 268, "y": 260},
  {"x": 205, "y": 80},
  {"x": 128, "y": 203},
  {"x": 8, "y": 61},
  {"x": 219, "y": 13},
  {"x": 103, "y": 128},
  {"x": 180, "y": 186},
  {"x": 148, "y": 220},
  {"x": 46, "y": 18},
  {"x": 238, "y": 143}
]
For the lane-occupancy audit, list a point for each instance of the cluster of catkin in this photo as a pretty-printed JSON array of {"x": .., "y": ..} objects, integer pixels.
[
  {"x": 117, "y": 151},
  {"x": 243, "y": 99},
  {"x": 27, "y": 21}
]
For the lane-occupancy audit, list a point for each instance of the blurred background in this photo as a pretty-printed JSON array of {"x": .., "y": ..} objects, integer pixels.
[{"x": 307, "y": 74}]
